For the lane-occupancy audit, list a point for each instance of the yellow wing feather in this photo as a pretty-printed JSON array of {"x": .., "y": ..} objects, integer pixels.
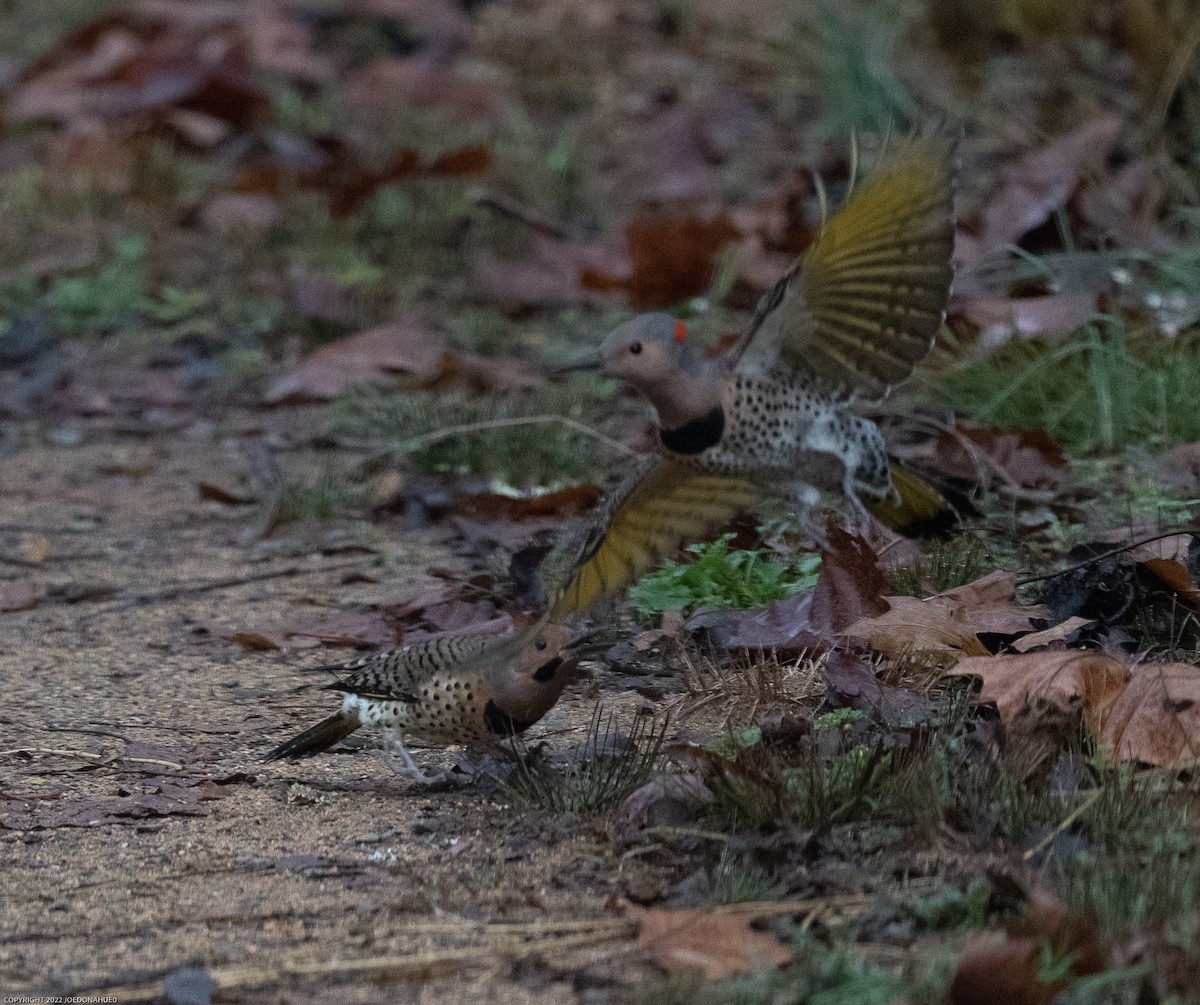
[
  {"x": 863, "y": 305},
  {"x": 658, "y": 508}
]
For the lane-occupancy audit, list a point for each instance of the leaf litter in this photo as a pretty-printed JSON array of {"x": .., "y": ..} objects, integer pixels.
[{"x": 242, "y": 96}]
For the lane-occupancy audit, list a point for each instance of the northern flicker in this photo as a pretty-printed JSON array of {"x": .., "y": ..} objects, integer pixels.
[
  {"x": 657, "y": 506},
  {"x": 469, "y": 689},
  {"x": 851, "y": 318}
]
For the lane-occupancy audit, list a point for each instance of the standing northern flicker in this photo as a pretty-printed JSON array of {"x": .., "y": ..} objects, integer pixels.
[
  {"x": 853, "y": 317},
  {"x": 467, "y": 689}
]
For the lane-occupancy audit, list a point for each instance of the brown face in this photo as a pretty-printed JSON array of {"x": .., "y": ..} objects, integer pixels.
[{"x": 541, "y": 670}]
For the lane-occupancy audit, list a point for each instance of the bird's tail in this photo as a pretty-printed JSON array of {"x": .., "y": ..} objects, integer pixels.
[
  {"x": 919, "y": 508},
  {"x": 316, "y": 738}
]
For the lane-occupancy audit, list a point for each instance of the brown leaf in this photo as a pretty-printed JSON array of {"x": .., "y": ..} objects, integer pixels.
[
  {"x": 16, "y": 595},
  {"x": 254, "y": 642},
  {"x": 1025, "y": 457},
  {"x": 1175, "y": 576},
  {"x": 1058, "y": 633},
  {"x": 1008, "y": 970},
  {"x": 404, "y": 346},
  {"x": 717, "y": 943},
  {"x": 674, "y": 258},
  {"x": 912, "y": 625},
  {"x": 1157, "y": 718},
  {"x": 1041, "y": 182},
  {"x": 551, "y": 275},
  {"x": 1052, "y": 679},
  {"x": 856, "y": 684},
  {"x": 851, "y": 585},
  {"x": 484, "y": 373},
  {"x": 1001, "y": 970},
  {"x": 564, "y": 503}
]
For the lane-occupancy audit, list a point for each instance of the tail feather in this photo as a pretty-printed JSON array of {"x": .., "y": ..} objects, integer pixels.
[
  {"x": 921, "y": 510},
  {"x": 316, "y": 738}
]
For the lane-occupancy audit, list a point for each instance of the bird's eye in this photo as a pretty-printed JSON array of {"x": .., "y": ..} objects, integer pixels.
[
  {"x": 635, "y": 348},
  {"x": 540, "y": 645}
]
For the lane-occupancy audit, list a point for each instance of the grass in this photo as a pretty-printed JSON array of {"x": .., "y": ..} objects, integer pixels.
[
  {"x": 1101, "y": 389},
  {"x": 329, "y": 496},
  {"x": 738, "y": 879},
  {"x": 521, "y": 455},
  {"x": 718, "y": 577},
  {"x": 941, "y": 566},
  {"x": 599, "y": 772}
]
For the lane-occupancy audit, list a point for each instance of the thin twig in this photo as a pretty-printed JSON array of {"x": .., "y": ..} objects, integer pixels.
[
  {"x": 417, "y": 442},
  {"x": 527, "y": 215},
  {"x": 91, "y": 756},
  {"x": 193, "y": 589},
  {"x": 1070, "y": 818},
  {"x": 1108, "y": 554},
  {"x": 395, "y": 966},
  {"x": 23, "y": 563}
]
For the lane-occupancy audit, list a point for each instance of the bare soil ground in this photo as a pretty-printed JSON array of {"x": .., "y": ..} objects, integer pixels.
[{"x": 141, "y": 828}]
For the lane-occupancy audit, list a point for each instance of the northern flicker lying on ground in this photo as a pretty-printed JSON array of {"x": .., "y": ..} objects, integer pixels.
[
  {"x": 469, "y": 689},
  {"x": 853, "y": 317}
]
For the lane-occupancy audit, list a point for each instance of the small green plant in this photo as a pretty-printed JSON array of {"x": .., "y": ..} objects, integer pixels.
[
  {"x": 950, "y": 908},
  {"x": 856, "y": 52},
  {"x": 817, "y": 973},
  {"x": 836, "y": 718},
  {"x": 330, "y": 496},
  {"x": 116, "y": 294},
  {"x": 719, "y": 577},
  {"x": 598, "y": 775}
]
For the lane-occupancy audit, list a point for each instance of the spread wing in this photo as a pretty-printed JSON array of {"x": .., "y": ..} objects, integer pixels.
[
  {"x": 862, "y": 307},
  {"x": 659, "y": 506}
]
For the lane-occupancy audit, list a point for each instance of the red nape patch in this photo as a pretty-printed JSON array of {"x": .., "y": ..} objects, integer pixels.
[{"x": 680, "y": 331}]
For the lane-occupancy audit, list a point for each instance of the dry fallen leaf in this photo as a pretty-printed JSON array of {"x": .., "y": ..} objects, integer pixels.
[
  {"x": 1156, "y": 720},
  {"x": 674, "y": 258},
  {"x": 717, "y": 943},
  {"x": 1024, "y": 457},
  {"x": 1057, "y": 633},
  {"x": 404, "y": 346},
  {"x": 912, "y": 625},
  {"x": 1053, "y": 679},
  {"x": 1042, "y": 181},
  {"x": 1010, "y": 970}
]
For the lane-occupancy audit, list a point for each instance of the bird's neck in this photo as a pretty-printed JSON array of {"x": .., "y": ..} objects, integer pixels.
[{"x": 686, "y": 397}]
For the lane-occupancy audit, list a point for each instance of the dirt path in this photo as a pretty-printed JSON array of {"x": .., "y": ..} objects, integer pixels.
[{"x": 142, "y": 831}]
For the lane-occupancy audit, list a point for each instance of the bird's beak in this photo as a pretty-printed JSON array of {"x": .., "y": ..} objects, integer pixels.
[
  {"x": 595, "y": 363},
  {"x": 589, "y": 643}
]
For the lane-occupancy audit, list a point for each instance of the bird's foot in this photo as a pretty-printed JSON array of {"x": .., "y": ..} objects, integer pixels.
[{"x": 397, "y": 757}]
